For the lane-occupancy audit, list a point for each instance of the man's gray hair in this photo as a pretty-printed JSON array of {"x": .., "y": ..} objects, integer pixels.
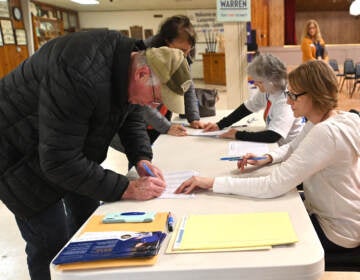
[
  {"x": 140, "y": 61},
  {"x": 270, "y": 70}
]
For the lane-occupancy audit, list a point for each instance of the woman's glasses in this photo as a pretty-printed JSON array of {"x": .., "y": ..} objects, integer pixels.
[{"x": 292, "y": 95}]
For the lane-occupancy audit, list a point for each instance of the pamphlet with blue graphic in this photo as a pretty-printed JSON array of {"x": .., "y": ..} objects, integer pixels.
[{"x": 92, "y": 246}]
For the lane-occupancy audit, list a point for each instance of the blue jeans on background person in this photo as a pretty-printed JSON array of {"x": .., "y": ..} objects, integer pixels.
[{"x": 47, "y": 232}]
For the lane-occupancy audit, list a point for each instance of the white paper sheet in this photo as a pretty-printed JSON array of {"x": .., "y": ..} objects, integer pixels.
[
  {"x": 200, "y": 132},
  {"x": 174, "y": 180},
  {"x": 240, "y": 148}
]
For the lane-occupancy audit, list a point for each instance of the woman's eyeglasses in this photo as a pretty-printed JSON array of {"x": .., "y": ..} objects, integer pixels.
[{"x": 292, "y": 95}]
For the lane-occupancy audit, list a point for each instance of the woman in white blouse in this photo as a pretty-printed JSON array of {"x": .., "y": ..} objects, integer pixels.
[{"x": 324, "y": 156}]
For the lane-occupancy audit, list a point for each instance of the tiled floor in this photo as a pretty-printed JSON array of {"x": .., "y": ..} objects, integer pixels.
[{"x": 12, "y": 256}]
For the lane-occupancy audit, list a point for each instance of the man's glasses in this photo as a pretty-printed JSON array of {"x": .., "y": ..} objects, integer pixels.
[{"x": 292, "y": 95}]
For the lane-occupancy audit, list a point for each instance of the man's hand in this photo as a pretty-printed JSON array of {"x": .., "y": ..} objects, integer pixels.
[
  {"x": 177, "y": 130},
  {"x": 141, "y": 170},
  {"x": 144, "y": 188}
]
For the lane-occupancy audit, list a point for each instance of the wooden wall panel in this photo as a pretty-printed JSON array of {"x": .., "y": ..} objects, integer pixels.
[
  {"x": 322, "y": 5},
  {"x": 12, "y": 55},
  {"x": 276, "y": 23},
  {"x": 337, "y": 27},
  {"x": 260, "y": 21}
]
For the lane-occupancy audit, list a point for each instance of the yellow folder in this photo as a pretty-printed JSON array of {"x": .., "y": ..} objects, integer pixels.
[
  {"x": 170, "y": 247},
  {"x": 95, "y": 225},
  {"x": 229, "y": 231}
]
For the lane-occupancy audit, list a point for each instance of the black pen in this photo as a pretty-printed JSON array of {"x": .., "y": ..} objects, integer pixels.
[{"x": 170, "y": 222}]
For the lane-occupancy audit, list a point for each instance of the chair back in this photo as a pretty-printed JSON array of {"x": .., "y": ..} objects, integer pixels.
[
  {"x": 334, "y": 64},
  {"x": 349, "y": 67},
  {"x": 357, "y": 70}
]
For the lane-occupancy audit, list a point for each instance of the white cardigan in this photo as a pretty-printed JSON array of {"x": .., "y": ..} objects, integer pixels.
[{"x": 325, "y": 157}]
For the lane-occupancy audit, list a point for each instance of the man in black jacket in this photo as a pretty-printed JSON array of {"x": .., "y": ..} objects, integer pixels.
[{"x": 59, "y": 111}]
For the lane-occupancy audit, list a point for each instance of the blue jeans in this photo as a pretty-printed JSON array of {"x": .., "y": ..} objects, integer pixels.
[{"x": 47, "y": 232}]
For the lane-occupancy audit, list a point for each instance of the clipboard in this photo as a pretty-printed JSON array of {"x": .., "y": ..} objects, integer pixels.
[{"x": 95, "y": 224}]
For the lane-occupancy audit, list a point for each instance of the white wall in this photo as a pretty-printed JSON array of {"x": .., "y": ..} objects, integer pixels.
[
  {"x": 123, "y": 20},
  {"x": 292, "y": 56}
]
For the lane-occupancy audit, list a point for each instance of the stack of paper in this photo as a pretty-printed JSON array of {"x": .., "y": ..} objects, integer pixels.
[{"x": 229, "y": 232}]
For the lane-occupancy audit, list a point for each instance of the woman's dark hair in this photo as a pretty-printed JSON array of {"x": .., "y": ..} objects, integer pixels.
[{"x": 173, "y": 28}]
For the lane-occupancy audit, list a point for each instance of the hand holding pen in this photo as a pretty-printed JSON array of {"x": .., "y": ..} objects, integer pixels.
[
  {"x": 146, "y": 168},
  {"x": 148, "y": 186},
  {"x": 254, "y": 160}
]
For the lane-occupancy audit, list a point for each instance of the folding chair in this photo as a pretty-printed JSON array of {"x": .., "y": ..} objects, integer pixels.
[
  {"x": 349, "y": 74},
  {"x": 357, "y": 78},
  {"x": 335, "y": 66}
]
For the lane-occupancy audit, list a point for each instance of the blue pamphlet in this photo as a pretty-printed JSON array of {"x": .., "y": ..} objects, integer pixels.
[{"x": 128, "y": 245}]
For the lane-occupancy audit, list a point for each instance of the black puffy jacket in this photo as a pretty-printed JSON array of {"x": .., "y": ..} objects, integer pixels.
[{"x": 59, "y": 111}]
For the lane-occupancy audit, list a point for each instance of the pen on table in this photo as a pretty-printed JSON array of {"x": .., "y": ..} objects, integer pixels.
[
  {"x": 170, "y": 222},
  {"x": 241, "y": 125},
  {"x": 240, "y": 158},
  {"x": 148, "y": 170}
]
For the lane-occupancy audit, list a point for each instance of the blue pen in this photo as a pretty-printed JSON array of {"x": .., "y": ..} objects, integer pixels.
[
  {"x": 240, "y": 158},
  {"x": 148, "y": 170},
  {"x": 132, "y": 213},
  {"x": 170, "y": 222}
]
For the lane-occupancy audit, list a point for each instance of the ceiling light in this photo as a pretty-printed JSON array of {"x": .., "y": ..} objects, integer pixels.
[
  {"x": 355, "y": 8},
  {"x": 86, "y": 2}
]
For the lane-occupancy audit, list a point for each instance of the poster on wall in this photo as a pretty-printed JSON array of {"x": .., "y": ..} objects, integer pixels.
[
  {"x": 209, "y": 31},
  {"x": 205, "y": 24},
  {"x": 233, "y": 11},
  {"x": 20, "y": 37},
  {"x": 7, "y": 31},
  {"x": 200, "y": 48},
  {"x": 4, "y": 9}
]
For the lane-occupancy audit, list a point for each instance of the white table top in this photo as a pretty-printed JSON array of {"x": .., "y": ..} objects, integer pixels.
[{"x": 302, "y": 260}]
